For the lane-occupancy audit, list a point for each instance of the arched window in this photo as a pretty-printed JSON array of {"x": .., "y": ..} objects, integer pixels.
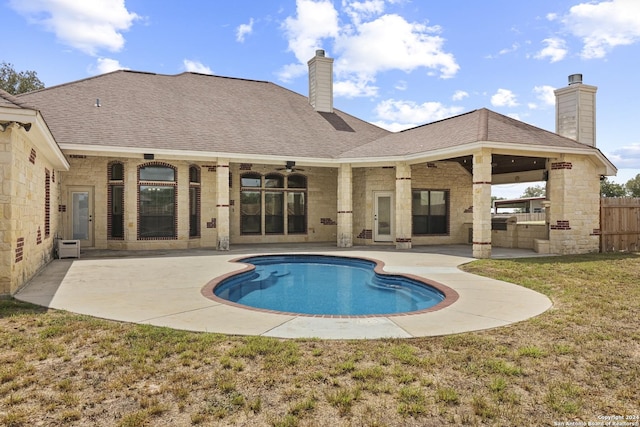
[
  {"x": 116, "y": 172},
  {"x": 157, "y": 196},
  {"x": 274, "y": 180},
  {"x": 194, "y": 201},
  {"x": 115, "y": 201}
]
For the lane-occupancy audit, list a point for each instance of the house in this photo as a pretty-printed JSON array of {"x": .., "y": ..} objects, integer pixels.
[
  {"x": 525, "y": 205},
  {"x": 134, "y": 160}
]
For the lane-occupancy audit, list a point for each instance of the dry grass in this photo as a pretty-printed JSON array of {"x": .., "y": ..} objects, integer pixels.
[{"x": 578, "y": 361}]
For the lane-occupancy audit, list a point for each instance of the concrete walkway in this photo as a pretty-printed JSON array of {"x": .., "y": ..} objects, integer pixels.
[{"x": 164, "y": 289}]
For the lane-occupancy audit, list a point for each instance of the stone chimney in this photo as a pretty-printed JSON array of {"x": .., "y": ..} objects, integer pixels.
[
  {"x": 576, "y": 111},
  {"x": 321, "y": 82}
]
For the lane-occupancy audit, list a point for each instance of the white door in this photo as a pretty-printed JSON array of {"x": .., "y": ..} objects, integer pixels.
[
  {"x": 81, "y": 215},
  {"x": 383, "y": 217}
]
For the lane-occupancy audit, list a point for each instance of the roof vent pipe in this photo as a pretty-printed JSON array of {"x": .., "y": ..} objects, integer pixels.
[{"x": 575, "y": 79}]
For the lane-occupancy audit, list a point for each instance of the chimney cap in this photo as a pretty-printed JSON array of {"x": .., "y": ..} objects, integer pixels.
[
  {"x": 575, "y": 79},
  {"x": 320, "y": 52}
]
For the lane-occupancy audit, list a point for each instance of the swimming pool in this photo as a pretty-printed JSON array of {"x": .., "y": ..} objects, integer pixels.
[{"x": 325, "y": 285}]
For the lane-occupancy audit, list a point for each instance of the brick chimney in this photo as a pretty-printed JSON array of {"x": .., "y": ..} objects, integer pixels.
[
  {"x": 576, "y": 111},
  {"x": 321, "y": 82}
]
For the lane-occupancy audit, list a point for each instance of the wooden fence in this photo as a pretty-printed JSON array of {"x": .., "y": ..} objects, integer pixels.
[{"x": 619, "y": 224}]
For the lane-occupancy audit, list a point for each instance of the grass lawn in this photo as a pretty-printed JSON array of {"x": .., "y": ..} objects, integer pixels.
[{"x": 579, "y": 361}]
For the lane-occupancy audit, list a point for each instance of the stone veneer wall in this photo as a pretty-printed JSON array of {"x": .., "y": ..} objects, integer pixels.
[
  {"x": 366, "y": 182},
  {"x": 432, "y": 176},
  {"x": 452, "y": 177},
  {"x": 574, "y": 215},
  {"x": 518, "y": 236},
  {"x": 322, "y": 210},
  {"x": 89, "y": 171},
  {"x": 25, "y": 244}
]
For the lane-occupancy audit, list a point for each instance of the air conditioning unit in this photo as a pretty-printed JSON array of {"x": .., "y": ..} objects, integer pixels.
[{"x": 68, "y": 248}]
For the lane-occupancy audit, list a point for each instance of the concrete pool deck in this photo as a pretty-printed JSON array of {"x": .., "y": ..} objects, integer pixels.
[{"x": 164, "y": 289}]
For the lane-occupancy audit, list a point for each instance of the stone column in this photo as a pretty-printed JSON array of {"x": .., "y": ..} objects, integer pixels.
[
  {"x": 403, "y": 206},
  {"x": 131, "y": 191},
  {"x": 222, "y": 204},
  {"x": 574, "y": 216},
  {"x": 482, "y": 204},
  {"x": 345, "y": 207}
]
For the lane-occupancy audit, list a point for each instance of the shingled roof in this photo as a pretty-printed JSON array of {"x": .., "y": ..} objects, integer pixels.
[
  {"x": 196, "y": 112},
  {"x": 10, "y": 101},
  {"x": 475, "y": 126}
]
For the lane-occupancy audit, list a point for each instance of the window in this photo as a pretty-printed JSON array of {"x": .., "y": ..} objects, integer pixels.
[
  {"x": 251, "y": 204},
  {"x": 430, "y": 212},
  {"x": 296, "y": 204},
  {"x": 115, "y": 201},
  {"x": 263, "y": 201},
  {"x": 194, "y": 201},
  {"x": 157, "y": 202}
]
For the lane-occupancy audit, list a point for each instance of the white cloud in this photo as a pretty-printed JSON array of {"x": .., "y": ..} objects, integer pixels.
[
  {"x": 604, "y": 25},
  {"x": 106, "y": 65},
  {"x": 314, "y": 21},
  {"x": 402, "y": 85},
  {"x": 459, "y": 95},
  {"x": 394, "y": 127},
  {"x": 369, "y": 43},
  {"x": 359, "y": 10},
  {"x": 196, "y": 67},
  {"x": 399, "y": 114},
  {"x": 354, "y": 88},
  {"x": 504, "y": 98},
  {"x": 545, "y": 94},
  {"x": 626, "y": 157},
  {"x": 555, "y": 50},
  {"x": 506, "y": 50},
  {"x": 88, "y": 26},
  {"x": 243, "y": 30},
  {"x": 392, "y": 43},
  {"x": 291, "y": 71}
]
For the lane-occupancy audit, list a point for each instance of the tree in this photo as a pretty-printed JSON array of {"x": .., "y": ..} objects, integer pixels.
[
  {"x": 535, "y": 191},
  {"x": 612, "y": 189},
  {"x": 633, "y": 186},
  {"x": 18, "y": 82}
]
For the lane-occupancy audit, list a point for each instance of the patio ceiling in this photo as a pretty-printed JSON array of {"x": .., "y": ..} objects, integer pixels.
[{"x": 504, "y": 164}]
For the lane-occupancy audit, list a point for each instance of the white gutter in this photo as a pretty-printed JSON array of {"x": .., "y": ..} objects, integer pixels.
[
  {"x": 435, "y": 155},
  {"x": 40, "y": 135}
]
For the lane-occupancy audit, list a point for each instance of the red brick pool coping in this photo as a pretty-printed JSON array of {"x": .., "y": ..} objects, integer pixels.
[{"x": 450, "y": 295}]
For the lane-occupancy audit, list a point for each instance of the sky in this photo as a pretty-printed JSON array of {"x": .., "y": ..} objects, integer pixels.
[{"x": 397, "y": 63}]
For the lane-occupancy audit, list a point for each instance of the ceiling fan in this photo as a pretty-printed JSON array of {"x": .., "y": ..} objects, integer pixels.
[{"x": 290, "y": 167}]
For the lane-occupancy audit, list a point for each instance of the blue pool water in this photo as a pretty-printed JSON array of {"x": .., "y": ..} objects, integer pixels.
[{"x": 317, "y": 284}]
